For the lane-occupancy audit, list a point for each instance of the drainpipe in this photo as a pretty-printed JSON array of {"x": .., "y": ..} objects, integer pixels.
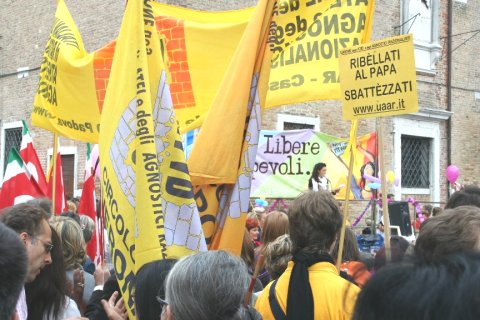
[{"x": 449, "y": 84}]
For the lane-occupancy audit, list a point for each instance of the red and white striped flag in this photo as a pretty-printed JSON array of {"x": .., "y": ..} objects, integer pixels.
[{"x": 30, "y": 157}]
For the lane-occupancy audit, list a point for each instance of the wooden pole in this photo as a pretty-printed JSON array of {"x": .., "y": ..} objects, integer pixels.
[
  {"x": 352, "y": 145},
  {"x": 383, "y": 177},
  {"x": 54, "y": 170},
  {"x": 258, "y": 267}
]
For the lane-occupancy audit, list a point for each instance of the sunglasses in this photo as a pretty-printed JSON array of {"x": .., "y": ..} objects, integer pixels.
[{"x": 48, "y": 246}]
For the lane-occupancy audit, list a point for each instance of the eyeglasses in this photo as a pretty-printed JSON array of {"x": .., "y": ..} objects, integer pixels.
[
  {"x": 163, "y": 304},
  {"x": 48, "y": 246}
]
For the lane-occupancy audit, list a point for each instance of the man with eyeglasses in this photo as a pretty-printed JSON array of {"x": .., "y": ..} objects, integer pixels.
[{"x": 30, "y": 223}]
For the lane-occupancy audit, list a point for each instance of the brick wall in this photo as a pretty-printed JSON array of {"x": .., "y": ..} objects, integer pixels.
[
  {"x": 25, "y": 26},
  {"x": 466, "y": 80}
]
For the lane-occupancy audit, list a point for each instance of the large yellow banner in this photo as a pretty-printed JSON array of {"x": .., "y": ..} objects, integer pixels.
[
  {"x": 195, "y": 46},
  {"x": 379, "y": 79},
  {"x": 150, "y": 211},
  {"x": 65, "y": 101},
  {"x": 306, "y": 41}
]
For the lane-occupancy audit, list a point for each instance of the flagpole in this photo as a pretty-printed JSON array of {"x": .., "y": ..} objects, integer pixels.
[
  {"x": 54, "y": 168},
  {"x": 383, "y": 177},
  {"x": 353, "y": 141}
]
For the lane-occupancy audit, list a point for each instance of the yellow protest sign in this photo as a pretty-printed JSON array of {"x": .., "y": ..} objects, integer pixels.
[
  {"x": 378, "y": 79},
  {"x": 306, "y": 39}
]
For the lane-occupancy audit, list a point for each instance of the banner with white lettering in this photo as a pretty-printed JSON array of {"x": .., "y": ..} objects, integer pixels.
[{"x": 285, "y": 160}]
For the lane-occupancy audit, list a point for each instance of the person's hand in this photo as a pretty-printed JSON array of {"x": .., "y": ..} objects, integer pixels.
[
  {"x": 101, "y": 274},
  {"x": 78, "y": 284},
  {"x": 115, "y": 311}
]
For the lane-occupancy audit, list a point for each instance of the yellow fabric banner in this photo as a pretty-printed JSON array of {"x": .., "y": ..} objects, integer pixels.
[
  {"x": 306, "y": 44},
  {"x": 200, "y": 46},
  {"x": 196, "y": 46},
  {"x": 231, "y": 158},
  {"x": 212, "y": 163},
  {"x": 150, "y": 211},
  {"x": 65, "y": 100}
]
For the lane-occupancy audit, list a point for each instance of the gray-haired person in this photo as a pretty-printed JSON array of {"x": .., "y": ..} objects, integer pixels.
[
  {"x": 13, "y": 266},
  {"x": 207, "y": 286}
]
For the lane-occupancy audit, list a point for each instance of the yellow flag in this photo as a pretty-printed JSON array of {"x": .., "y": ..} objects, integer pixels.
[
  {"x": 230, "y": 158},
  {"x": 150, "y": 212},
  {"x": 66, "y": 83},
  {"x": 199, "y": 46},
  {"x": 73, "y": 82},
  {"x": 306, "y": 45},
  {"x": 217, "y": 149}
]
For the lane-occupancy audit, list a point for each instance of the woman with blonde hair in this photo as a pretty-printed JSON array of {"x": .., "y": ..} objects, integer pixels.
[
  {"x": 277, "y": 255},
  {"x": 73, "y": 245},
  {"x": 276, "y": 225}
]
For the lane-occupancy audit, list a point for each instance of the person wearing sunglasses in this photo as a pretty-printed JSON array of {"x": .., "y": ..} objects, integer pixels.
[{"x": 30, "y": 223}]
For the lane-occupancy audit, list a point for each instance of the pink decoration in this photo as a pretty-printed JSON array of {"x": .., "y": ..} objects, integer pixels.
[
  {"x": 452, "y": 173},
  {"x": 371, "y": 178},
  {"x": 418, "y": 209}
]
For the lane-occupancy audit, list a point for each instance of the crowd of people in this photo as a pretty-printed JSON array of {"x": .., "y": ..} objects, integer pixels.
[{"x": 45, "y": 273}]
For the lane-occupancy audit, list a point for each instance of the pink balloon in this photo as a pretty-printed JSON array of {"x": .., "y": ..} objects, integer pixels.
[{"x": 452, "y": 173}]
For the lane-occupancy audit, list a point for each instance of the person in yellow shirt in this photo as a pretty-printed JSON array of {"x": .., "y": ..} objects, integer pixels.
[{"x": 310, "y": 288}]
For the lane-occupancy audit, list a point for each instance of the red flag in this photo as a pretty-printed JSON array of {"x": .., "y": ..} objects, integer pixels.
[
  {"x": 87, "y": 207},
  {"x": 18, "y": 184},
  {"x": 30, "y": 157},
  {"x": 60, "y": 201}
]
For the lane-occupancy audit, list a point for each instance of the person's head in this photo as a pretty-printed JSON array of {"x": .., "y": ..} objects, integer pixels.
[
  {"x": 350, "y": 247},
  {"x": 319, "y": 170},
  {"x": 248, "y": 250},
  {"x": 207, "y": 286},
  {"x": 149, "y": 283},
  {"x": 455, "y": 230},
  {"x": 44, "y": 203},
  {"x": 72, "y": 207},
  {"x": 469, "y": 196},
  {"x": 276, "y": 224},
  {"x": 30, "y": 223},
  {"x": 368, "y": 169},
  {"x": 261, "y": 215},
  {"x": 72, "y": 240},
  {"x": 277, "y": 255},
  {"x": 46, "y": 294},
  {"x": 436, "y": 211},
  {"x": 314, "y": 222},
  {"x": 13, "y": 270},
  {"x": 252, "y": 226},
  {"x": 423, "y": 291},
  {"x": 72, "y": 215},
  {"x": 427, "y": 210},
  {"x": 398, "y": 247},
  {"x": 87, "y": 225}
]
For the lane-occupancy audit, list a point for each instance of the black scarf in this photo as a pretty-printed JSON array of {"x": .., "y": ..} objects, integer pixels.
[{"x": 300, "y": 298}]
